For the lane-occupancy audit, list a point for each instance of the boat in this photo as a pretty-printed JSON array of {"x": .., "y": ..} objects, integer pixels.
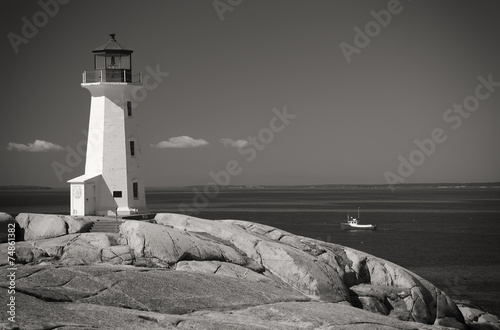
[{"x": 353, "y": 224}]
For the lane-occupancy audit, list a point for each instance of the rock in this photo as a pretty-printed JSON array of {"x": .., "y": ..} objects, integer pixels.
[
  {"x": 118, "y": 254},
  {"x": 355, "y": 269},
  {"x": 470, "y": 314},
  {"x": 450, "y": 322},
  {"x": 327, "y": 271},
  {"x": 425, "y": 303},
  {"x": 171, "y": 245},
  {"x": 116, "y": 298},
  {"x": 20, "y": 253},
  {"x": 302, "y": 271},
  {"x": 81, "y": 249},
  {"x": 488, "y": 318},
  {"x": 317, "y": 315},
  {"x": 6, "y": 253},
  {"x": 222, "y": 274},
  {"x": 165, "y": 291},
  {"x": 78, "y": 224},
  {"x": 40, "y": 226},
  {"x": 73, "y": 249},
  {"x": 381, "y": 292},
  {"x": 85, "y": 248},
  {"x": 373, "y": 305},
  {"x": 25, "y": 254},
  {"x": 385, "y": 300},
  {"x": 5, "y": 220},
  {"x": 5, "y": 217},
  {"x": 54, "y": 247},
  {"x": 293, "y": 266},
  {"x": 482, "y": 326}
]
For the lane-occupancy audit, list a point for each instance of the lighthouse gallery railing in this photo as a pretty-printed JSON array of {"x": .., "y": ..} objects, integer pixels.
[{"x": 114, "y": 75}]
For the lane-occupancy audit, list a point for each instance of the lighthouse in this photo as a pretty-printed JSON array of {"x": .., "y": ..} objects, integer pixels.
[{"x": 113, "y": 182}]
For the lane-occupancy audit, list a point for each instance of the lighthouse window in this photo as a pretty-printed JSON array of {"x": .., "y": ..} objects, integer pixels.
[
  {"x": 125, "y": 61},
  {"x": 132, "y": 148},
  {"x": 113, "y": 62},
  {"x": 99, "y": 61},
  {"x": 135, "y": 187},
  {"x": 117, "y": 194},
  {"x": 129, "y": 108}
]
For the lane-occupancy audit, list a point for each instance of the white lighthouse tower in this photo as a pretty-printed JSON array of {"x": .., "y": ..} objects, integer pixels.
[{"x": 113, "y": 183}]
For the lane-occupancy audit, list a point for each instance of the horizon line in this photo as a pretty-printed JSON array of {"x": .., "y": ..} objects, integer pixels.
[{"x": 491, "y": 183}]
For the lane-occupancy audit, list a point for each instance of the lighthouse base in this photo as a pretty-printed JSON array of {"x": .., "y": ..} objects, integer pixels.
[{"x": 90, "y": 195}]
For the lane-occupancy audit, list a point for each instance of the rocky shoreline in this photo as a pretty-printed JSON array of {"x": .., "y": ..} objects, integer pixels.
[{"x": 184, "y": 272}]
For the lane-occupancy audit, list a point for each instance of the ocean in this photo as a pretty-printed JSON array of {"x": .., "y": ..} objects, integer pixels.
[{"x": 449, "y": 236}]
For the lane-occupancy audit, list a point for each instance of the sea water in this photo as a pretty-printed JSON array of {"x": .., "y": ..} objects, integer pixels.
[{"x": 449, "y": 236}]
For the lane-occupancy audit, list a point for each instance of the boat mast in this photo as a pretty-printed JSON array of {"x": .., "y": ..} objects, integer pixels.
[{"x": 358, "y": 213}]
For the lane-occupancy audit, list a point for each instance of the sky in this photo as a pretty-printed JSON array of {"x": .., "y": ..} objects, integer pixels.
[{"x": 261, "y": 92}]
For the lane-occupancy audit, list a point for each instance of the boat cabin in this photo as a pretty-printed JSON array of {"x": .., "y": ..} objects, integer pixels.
[{"x": 352, "y": 221}]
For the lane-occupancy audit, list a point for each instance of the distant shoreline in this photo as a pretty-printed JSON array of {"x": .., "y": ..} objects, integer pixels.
[
  {"x": 480, "y": 185},
  {"x": 494, "y": 185},
  {"x": 22, "y": 187}
]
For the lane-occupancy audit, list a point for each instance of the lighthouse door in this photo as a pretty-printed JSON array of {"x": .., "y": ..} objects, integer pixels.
[{"x": 89, "y": 199}]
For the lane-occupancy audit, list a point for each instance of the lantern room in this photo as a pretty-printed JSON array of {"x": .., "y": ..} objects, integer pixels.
[{"x": 112, "y": 63}]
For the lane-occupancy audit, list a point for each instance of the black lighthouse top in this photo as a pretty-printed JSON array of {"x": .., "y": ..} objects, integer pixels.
[
  {"x": 112, "y": 63},
  {"x": 112, "y": 55},
  {"x": 112, "y": 46}
]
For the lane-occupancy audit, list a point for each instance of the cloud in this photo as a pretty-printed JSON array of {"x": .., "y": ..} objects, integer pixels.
[
  {"x": 233, "y": 143},
  {"x": 37, "y": 146},
  {"x": 180, "y": 142}
]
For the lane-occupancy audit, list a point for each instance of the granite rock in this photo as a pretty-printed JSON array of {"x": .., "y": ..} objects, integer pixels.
[
  {"x": 327, "y": 271},
  {"x": 40, "y": 226},
  {"x": 5, "y": 220},
  {"x": 118, "y": 254},
  {"x": 78, "y": 224},
  {"x": 171, "y": 245},
  {"x": 187, "y": 272},
  {"x": 470, "y": 314},
  {"x": 293, "y": 266},
  {"x": 87, "y": 297}
]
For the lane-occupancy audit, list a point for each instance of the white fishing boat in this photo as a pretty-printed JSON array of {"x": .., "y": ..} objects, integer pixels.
[{"x": 353, "y": 224}]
